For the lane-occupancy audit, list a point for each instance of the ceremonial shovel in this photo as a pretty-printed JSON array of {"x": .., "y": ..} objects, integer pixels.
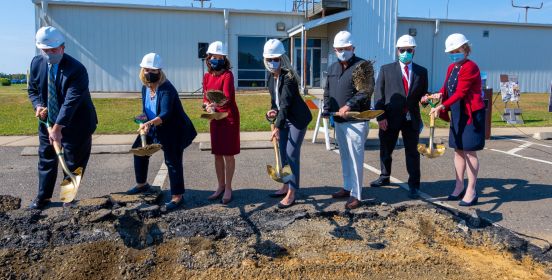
[
  {"x": 278, "y": 174},
  {"x": 145, "y": 150},
  {"x": 68, "y": 187},
  {"x": 439, "y": 149},
  {"x": 217, "y": 97},
  {"x": 361, "y": 116}
]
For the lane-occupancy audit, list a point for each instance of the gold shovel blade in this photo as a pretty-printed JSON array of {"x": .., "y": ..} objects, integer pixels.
[
  {"x": 284, "y": 176},
  {"x": 368, "y": 114},
  {"x": 148, "y": 150},
  {"x": 70, "y": 187},
  {"x": 214, "y": 116},
  {"x": 438, "y": 151}
]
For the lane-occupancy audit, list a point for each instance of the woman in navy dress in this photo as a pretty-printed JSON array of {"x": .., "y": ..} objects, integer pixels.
[{"x": 461, "y": 95}]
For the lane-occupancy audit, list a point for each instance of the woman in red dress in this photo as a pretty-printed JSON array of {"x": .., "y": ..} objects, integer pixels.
[{"x": 225, "y": 133}]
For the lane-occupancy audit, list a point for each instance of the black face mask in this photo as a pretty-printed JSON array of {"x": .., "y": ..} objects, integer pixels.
[{"x": 152, "y": 77}]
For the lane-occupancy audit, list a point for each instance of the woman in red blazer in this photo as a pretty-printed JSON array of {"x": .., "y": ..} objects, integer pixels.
[{"x": 461, "y": 95}]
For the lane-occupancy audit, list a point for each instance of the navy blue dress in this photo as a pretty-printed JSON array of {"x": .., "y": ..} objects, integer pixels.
[{"x": 464, "y": 136}]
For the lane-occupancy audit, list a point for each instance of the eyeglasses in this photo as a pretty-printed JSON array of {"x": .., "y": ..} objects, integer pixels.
[
  {"x": 276, "y": 59},
  {"x": 406, "y": 50}
]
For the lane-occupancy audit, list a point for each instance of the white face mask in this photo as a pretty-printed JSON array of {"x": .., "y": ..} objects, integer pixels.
[
  {"x": 273, "y": 65},
  {"x": 344, "y": 55}
]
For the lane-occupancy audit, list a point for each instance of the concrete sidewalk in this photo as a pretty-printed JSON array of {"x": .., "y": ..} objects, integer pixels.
[{"x": 128, "y": 139}]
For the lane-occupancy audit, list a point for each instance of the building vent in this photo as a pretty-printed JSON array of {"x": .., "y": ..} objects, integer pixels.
[
  {"x": 280, "y": 26},
  {"x": 412, "y": 32},
  {"x": 486, "y": 33}
]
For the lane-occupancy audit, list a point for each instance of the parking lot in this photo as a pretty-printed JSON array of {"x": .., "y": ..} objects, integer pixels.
[{"x": 514, "y": 183}]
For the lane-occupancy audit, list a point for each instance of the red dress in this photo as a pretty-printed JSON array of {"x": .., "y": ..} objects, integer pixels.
[{"x": 225, "y": 133}]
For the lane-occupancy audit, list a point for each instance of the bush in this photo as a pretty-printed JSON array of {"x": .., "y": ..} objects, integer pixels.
[{"x": 5, "y": 82}]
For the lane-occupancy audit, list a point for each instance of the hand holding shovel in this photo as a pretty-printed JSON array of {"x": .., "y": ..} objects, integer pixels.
[
  {"x": 279, "y": 174},
  {"x": 217, "y": 98},
  {"x": 145, "y": 149},
  {"x": 439, "y": 149},
  {"x": 68, "y": 187}
]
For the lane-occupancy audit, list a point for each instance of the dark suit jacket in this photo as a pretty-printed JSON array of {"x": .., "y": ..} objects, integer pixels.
[
  {"x": 391, "y": 97},
  {"x": 292, "y": 105},
  {"x": 76, "y": 110},
  {"x": 177, "y": 129}
]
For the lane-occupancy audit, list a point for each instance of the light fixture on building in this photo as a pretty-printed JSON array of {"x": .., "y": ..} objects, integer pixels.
[
  {"x": 412, "y": 32},
  {"x": 486, "y": 33},
  {"x": 280, "y": 26}
]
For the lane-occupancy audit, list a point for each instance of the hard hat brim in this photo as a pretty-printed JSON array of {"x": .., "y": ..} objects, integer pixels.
[
  {"x": 218, "y": 53},
  {"x": 272, "y": 55},
  {"x": 343, "y": 45},
  {"x": 454, "y": 47},
  {"x": 46, "y": 47},
  {"x": 149, "y": 67}
]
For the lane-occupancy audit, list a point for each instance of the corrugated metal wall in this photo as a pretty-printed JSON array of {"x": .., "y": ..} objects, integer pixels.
[
  {"x": 513, "y": 49},
  {"x": 111, "y": 40},
  {"x": 373, "y": 25}
]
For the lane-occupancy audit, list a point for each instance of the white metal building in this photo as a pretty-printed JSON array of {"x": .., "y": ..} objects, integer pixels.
[
  {"x": 497, "y": 47},
  {"x": 110, "y": 39}
]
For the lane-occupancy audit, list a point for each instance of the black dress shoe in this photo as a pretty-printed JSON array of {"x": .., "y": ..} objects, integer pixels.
[
  {"x": 39, "y": 203},
  {"x": 457, "y": 197},
  {"x": 413, "y": 193},
  {"x": 172, "y": 205},
  {"x": 470, "y": 203},
  {"x": 137, "y": 190},
  {"x": 380, "y": 182},
  {"x": 284, "y": 206},
  {"x": 275, "y": 195}
]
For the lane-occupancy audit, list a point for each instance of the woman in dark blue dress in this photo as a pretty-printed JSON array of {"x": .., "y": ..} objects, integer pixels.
[{"x": 461, "y": 95}]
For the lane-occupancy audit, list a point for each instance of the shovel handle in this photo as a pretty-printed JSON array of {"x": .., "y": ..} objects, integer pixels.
[
  {"x": 431, "y": 121},
  {"x": 59, "y": 153},
  {"x": 276, "y": 151},
  {"x": 143, "y": 138}
]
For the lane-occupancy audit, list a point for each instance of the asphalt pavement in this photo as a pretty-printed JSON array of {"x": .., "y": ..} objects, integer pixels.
[{"x": 514, "y": 182}]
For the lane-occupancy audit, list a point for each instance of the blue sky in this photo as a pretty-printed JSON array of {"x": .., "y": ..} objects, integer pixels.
[{"x": 17, "y": 18}]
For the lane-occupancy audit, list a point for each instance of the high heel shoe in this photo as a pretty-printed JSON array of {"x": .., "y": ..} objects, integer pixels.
[
  {"x": 471, "y": 203},
  {"x": 457, "y": 197}
]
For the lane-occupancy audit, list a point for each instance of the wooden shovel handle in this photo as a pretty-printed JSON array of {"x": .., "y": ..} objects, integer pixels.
[{"x": 276, "y": 150}]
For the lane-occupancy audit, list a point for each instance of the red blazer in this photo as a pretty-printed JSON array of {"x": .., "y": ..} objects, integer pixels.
[{"x": 468, "y": 89}]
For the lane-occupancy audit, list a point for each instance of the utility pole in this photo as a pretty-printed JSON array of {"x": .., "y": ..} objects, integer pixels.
[
  {"x": 526, "y": 8},
  {"x": 447, "y": 8}
]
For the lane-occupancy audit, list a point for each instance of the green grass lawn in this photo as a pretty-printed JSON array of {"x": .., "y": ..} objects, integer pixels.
[{"x": 116, "y": 114}]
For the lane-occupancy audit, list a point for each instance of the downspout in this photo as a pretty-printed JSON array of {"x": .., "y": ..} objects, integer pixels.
[
  {"x": 435, "y": 33},
  {"x": 226, "y": 14},
  {"x": 303, "y": 51},
  {"x": 44, "y": 13}
]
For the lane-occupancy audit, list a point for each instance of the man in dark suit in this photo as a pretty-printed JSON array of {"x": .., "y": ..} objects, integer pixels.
[
  {"x": 399, "y": 88},
  {"x": 58, "y": 90}
]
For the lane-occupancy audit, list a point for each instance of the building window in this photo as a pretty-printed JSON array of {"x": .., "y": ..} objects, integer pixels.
[
  {"x": 486, "y": 33},
  {"x": 251, "y": 70}
]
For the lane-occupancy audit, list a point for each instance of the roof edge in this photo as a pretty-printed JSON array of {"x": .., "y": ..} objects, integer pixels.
[{"x": 522, "y": 24}]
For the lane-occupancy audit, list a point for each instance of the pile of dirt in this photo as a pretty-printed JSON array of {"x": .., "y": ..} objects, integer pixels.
[
  {"x": 110, "y": 239},
  {"x": 8, "y": 202}
]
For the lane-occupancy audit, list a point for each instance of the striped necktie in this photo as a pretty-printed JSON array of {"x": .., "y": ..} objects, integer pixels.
[{"x": 53, "y": 106}]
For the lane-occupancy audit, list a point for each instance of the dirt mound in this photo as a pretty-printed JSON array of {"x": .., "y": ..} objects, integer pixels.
[
  {"x": 8, "y": 203},
  {"x": 137, "y": 241}
]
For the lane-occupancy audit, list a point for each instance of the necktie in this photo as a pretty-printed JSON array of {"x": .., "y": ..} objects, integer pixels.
[
  {"x": 53, "y": 106},
  {"x": 405, "y": 80}
]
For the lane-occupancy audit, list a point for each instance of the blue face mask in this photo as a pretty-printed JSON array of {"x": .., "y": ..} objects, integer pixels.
[
  {"x": 273, "y": 65},
  {"x": 217, "y": 64},
  {"x": 456, "y": 57},
  {"x": 405, "y": 57},
  {"x": 53, "y": 58}
]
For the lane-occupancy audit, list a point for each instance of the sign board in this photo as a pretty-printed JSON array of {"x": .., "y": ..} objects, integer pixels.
[{"x": 509, "y": 88}]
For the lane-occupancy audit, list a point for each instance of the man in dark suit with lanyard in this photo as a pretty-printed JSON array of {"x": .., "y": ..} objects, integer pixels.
[
  {"x": 399, "y": 88},
  {"x": 58, "y": 90}
]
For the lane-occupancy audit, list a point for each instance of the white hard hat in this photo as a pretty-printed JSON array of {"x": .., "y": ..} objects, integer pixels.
[
  {"x": 343, "y": 39},
  {"x": 48, "y": 37},
  {"x": 217, "y": 47},
  {"x": 454, "y": 41},
  {"x": 273, "y": 48},
  {"x": 152, "y": 61},
  {"x": 406, "y": 41}
]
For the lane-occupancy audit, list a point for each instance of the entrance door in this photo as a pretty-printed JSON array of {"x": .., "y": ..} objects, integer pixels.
[{"x": 313, "y": 55}]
